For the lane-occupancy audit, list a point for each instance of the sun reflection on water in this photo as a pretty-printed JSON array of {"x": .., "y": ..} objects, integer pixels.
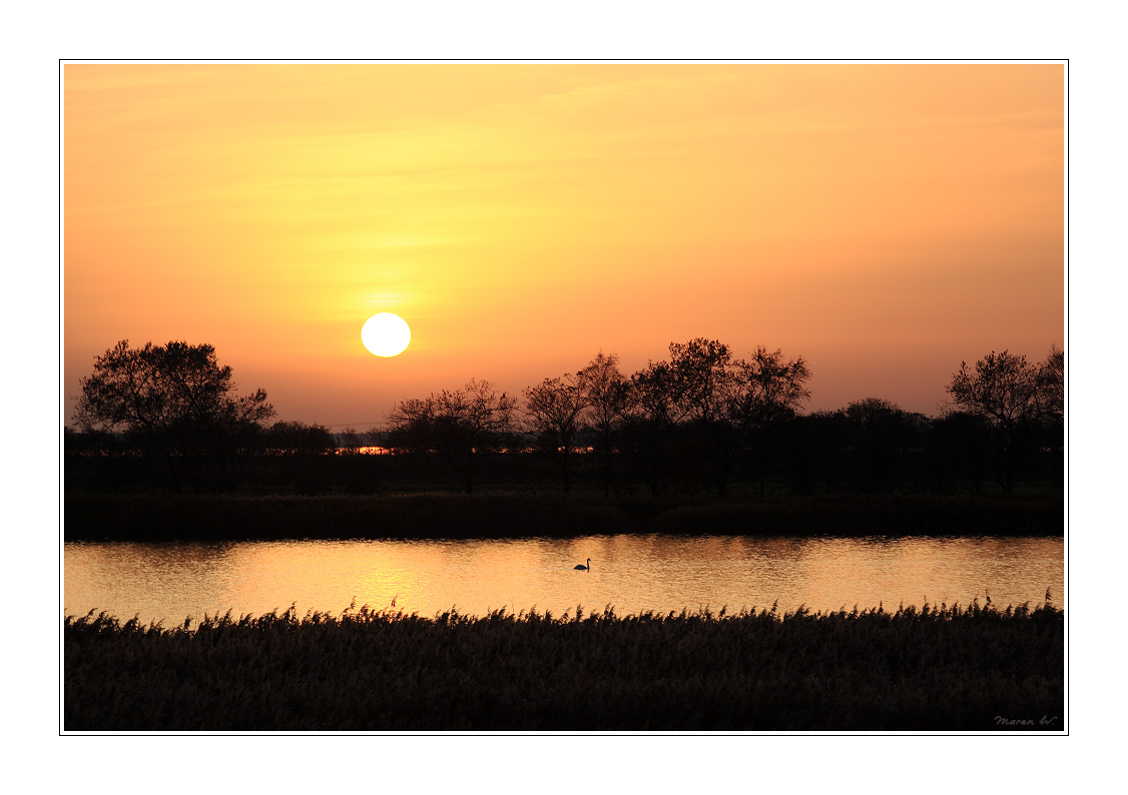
[{"x": 631, "y": 574}]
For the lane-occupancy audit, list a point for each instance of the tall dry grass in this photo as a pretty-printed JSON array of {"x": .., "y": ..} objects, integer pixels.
[{"x": 934, "y": 668}]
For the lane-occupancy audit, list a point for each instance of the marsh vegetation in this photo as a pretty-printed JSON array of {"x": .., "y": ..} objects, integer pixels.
[{"x": 933, "y": 668}]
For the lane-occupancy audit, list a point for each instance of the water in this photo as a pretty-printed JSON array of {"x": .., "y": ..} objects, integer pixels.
[{"x": 169, "y": 582}]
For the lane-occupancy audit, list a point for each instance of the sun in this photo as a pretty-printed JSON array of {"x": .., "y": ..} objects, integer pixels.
[{"x": 386, "y": 334}]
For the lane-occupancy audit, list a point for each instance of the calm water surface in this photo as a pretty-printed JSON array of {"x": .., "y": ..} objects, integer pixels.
[{"x": 169, "y": 582}]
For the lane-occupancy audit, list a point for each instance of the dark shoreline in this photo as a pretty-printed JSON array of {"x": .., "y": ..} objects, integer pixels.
[{"x": 213, "y": 517}]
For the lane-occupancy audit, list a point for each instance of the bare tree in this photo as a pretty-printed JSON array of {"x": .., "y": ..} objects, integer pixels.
[
  {"x": 772, "y": 388},
  {"x": 725, "y": 400},
  {"x": 458, "y": 426},
  {"x": 651, "y": 415},
  {"x": 608, "y": 399},
  {"x": 1002, "y": 387},
  {"x": 555, "y": 408},
  {"x": 1015, "y": 396},
  {"x": 705, "y": 380},
  {"x": 350, "y": 440},
  {"x": 1051, "y": 384}
]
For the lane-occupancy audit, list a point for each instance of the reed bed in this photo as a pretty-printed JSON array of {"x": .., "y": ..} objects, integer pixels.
[{"x": 934, "y": 668}]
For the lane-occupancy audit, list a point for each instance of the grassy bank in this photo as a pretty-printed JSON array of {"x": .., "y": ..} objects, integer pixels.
[
  {"x": 161, "y": 517},
  {"x": 946, "y": 668}
]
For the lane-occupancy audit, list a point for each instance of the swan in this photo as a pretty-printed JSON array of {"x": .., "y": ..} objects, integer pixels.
[{"x": 582, "y": 567}]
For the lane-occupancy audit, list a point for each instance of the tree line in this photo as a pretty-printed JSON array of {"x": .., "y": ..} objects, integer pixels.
[{"x": 700, "y": 421}]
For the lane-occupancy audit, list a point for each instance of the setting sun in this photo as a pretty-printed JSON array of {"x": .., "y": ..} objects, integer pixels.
[
  {"x": 530, "y": 215},
  {"x": 386, "y": 334},
  {"x": 684, "y": 336}
]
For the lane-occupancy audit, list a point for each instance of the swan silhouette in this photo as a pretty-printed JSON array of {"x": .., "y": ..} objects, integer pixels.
[{"x": 582, "y": 567}]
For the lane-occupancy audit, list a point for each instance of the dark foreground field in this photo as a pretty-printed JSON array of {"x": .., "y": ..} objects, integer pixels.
[{"x": 946, "y": 668}]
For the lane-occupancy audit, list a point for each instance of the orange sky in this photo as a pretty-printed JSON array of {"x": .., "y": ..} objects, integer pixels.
[{"x": 883, "y": 221}]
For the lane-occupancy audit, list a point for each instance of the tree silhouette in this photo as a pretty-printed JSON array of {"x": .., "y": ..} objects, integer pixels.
[
  {"x": 298, "y": 439},
  {"x": 707, "y": 391},
  {"x": 608, "y": 398},
  {"x": 649, "y": 421},
  {"x": 349, "y": 440},
  {"x": 715, "y": 403},
  {"x": 1017, "y": 398},
  {"x": 702, "y": 419},
  {"x": 554, "y": 408},
  {"x": 881, "y": 434},
  {"x": 458, "y": 426},
  {"x": 174, "y": 400},
  {"x": 296, "y": 454},
  {"x": 772, "y": 391}
]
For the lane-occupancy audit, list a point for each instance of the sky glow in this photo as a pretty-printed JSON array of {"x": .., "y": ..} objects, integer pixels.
[{"x": 885, "y": 222}]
